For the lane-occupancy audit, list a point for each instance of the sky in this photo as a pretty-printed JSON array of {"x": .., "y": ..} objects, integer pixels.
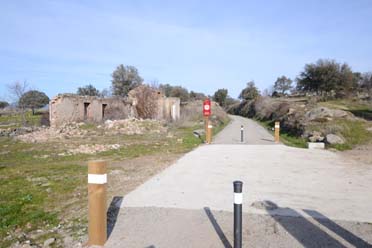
[{"x": 58, "y": 46}]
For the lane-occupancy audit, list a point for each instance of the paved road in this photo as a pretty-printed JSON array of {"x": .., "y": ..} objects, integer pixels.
[
  {"x": 253, "y": 133},
  {"x": 292, "y": 198}
]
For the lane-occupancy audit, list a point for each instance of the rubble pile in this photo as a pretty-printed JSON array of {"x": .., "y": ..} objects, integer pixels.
[
  {"x": 133, "y": 126},
  {"x": 76, "y": 130},
  {"x": 91, "y": 149},
  {"x": 48, "y": 133}
]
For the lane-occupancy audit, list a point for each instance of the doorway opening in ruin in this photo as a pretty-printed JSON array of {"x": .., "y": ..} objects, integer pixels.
[
  {"x": 86, "y": 106},
  {"x": 103, "y": 110}
]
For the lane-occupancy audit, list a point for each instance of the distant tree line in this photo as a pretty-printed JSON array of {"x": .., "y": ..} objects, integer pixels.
[{"x": 324, "y": 78}]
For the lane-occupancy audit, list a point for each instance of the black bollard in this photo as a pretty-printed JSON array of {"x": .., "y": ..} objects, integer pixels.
[
  {"x": 238, "y": 200},
  {"x": 241, "y": 133}
]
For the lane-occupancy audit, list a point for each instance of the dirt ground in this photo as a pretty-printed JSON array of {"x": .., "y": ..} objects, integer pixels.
[{"x": 361, "y": 154}]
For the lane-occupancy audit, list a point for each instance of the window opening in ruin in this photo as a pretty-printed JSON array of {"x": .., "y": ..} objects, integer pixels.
[
  {"x": 86, "y": 105},
  {"x": 103, "y": 110}
]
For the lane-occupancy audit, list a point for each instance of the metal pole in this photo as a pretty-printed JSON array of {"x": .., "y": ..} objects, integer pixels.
[
  {"x": 238, "y": 200},
  {"x": 241, "y": 133},
  {"x": 97, "y": 220}
]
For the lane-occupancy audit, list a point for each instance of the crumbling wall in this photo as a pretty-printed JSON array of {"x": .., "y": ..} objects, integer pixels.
[
  {"x": 72, "y": 108},
  {"x": 69, "y": 108},
  {"x": 169, "y": 108}
]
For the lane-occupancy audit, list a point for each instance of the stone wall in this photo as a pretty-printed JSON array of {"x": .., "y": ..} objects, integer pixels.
[
  {"x": 73, "y": 108},
  {"x": 168, "y": 108},
  {"x": 68, "y": 108}
]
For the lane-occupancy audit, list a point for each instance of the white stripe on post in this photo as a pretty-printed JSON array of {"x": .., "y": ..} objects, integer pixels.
[
  {"x": 97, "y": 178},
  {"x": 238, "y": 198}
]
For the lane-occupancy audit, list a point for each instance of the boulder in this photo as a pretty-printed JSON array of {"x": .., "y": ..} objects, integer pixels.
[{"x": 334, "y": 139}]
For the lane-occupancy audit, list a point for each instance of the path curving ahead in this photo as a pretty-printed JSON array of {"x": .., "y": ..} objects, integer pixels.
[{"x": 291, "y": 197}]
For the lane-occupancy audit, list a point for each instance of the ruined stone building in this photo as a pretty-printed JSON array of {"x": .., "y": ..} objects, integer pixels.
[{"x": 67, "y": 108}]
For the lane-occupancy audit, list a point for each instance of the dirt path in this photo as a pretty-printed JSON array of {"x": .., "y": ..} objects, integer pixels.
[{"x": 292, "y": 198}]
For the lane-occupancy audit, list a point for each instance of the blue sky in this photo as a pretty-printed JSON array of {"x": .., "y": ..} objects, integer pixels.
[{"x": 58, "y": 46}]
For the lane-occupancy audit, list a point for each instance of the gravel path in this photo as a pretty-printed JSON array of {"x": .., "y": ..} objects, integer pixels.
[{"x": 292, "y": 198}]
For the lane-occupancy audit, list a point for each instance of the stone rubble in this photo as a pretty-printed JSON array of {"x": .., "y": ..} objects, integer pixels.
[{"x": 71, "y": 130}]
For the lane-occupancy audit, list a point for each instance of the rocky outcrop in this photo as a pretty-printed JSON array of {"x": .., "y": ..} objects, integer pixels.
[{"x": 323, "y": 114}]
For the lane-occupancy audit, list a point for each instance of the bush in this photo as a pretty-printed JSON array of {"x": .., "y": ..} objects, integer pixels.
[{"x": 147, "y": 101}]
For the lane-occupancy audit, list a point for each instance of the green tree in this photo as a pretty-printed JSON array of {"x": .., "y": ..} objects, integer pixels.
[
  {"x": 326, "y": 77},
  {"x": 124, "y": 79},
  {"x": 250, "y": 92},
  {"x": 366, "y": 82},
  {"x": 88, "y": 90},
  {"x": 220, "y": 96},
  {"x": 283, "y": 84},
  {"x": 166, "y": 89},
  {"x": 197, "y": 95},
  {"x": 179, "y": 91},
  {"x": 33, "y": 99},
  {"x": 3, "y": 104}
]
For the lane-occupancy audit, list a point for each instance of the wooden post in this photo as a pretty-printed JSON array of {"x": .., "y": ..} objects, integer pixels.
[
  {"x": 97, "y": 220},
  {"x": 209, "y": 132},
  {"x": 277, "y": 132},
  {"x": 206, "y": 122}
]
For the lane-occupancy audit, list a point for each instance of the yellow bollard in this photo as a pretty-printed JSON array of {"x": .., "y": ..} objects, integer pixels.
[
  {"x": 277, "y": 132},
  {"x": 97, "y": 220}
]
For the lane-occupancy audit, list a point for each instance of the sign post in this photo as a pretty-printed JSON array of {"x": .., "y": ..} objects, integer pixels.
[{"x": 206, "y": 113}]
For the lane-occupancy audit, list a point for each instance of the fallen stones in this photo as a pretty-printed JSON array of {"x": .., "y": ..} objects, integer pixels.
[
  {"x": 92, "y": 149},
  {"x": 315, "y": 136},
  {"x": 73, "y": 129}
]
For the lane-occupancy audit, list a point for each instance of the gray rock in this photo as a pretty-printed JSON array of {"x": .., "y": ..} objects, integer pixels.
[
  {"x": 334, "y": 139},
  {"x": 199, "y": 132},
  {"x": 48, "y": 242}
]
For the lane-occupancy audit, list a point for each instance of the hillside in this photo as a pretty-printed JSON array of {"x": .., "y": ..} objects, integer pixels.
[{"x": 343, "y": 125}]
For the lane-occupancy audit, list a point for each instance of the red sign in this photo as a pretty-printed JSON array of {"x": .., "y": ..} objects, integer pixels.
[{"x": 207, "y": 107}]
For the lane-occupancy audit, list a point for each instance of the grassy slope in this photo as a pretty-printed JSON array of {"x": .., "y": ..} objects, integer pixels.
[
  {"x": 38, "y": 188},
  {"x": 285, "y": 138}
]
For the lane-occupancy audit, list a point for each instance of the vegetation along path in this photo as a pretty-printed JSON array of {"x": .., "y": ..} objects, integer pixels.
[{"x": 291, "y": 197}]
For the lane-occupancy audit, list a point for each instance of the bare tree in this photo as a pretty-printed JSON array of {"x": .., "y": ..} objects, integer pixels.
[{"x": 16, "y": 90}]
